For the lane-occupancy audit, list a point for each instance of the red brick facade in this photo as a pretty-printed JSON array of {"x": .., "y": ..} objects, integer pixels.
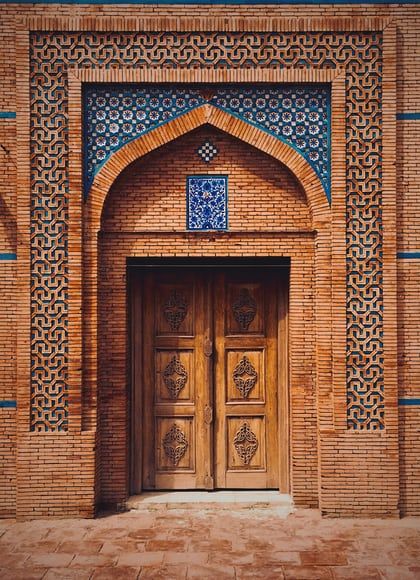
[{"x": 136, "y": 208}]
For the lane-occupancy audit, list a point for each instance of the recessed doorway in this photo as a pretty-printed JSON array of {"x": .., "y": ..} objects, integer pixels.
[{"x": 209, "y": 388}]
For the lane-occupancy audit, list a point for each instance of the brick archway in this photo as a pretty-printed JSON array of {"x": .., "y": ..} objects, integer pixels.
[{"x": 205, "y": 115}]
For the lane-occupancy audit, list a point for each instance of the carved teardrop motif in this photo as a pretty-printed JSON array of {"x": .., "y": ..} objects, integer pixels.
[
  {"x": 245, "y": 376},
  {"x": 175, "y": 444},
  {"x": 246, "y": 443},
  {"x": 175, "y": 377},
  {"x": 175, "y": 310},
  {"x": 244, "y": 309}
]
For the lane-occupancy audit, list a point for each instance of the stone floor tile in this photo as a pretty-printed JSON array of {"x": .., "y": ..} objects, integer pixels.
[
  {"x": 166, "y": 572},
  {"x": 265, "y": 572},
  {"x": 189, "y": 532},
  {"x": 334, "y": 545},
  {"x": 137, "y": 519},
  {"x": 103, "y": 534},
  {"x": 93, "y": 560},
  {"x": 211, "y": 544},
  {"x": 207, "y": 571},
  {"x": 38, "y": 547},
  {"x": 116, "y": 573},
  {"x": 59, "y": 534},
  {"x": 140, "y": 559},
  {"x": 309, "y": 573},
  {"x": 16, "y": 560},
  {"x": 51, "y": 560},
  {"x": 186, "y": 558},
  {"x": 149, "y": 534},
  {"x": 165, "y": 545},
  {"x": 123, "y": 545},
  {"x": 214, "y": 545},
  {"x": 405, "y": 557},
  {"x": 85, "y": 547},
  {"x": 276, "y": 558},
  {"x": 32, "y": 573},
  {"x": 378, "y": 557},
  {"x": 17, "y": 535},
  {"x": 322, "y": 558},
  {"x": 236, "y": 558},
  {"x": 68, "y": 574},
  {"x": 398, "y": 573},
  {"x": 353, "y": 572}
]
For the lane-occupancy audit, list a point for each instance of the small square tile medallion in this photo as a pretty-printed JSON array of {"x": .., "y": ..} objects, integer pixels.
[
  {"x": 207, "y": 202},
  {"x": 207, "y": 151}
]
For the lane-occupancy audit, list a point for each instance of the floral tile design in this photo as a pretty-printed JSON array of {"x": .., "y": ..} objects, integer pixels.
[
  {"x": 298, "y": 114},
  {"x": 207, "y": 202}
]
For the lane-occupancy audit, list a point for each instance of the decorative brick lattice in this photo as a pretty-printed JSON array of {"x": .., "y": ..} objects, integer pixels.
[
  {"x": 360, "y": 53},
  {"x": 297, "y": 114},
  {"x": 207, "y": 202}
]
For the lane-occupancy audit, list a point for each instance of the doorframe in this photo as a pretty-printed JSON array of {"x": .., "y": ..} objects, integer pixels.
[{"x": 135, "y": 320}]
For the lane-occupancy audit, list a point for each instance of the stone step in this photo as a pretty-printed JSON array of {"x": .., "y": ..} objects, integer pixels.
[{"x": 279, "y": 503}]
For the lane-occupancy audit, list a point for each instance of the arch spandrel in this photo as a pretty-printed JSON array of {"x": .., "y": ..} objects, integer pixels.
[{"x": 207, "y": 114}]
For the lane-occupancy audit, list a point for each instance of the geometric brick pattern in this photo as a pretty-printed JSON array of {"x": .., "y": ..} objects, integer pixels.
[
  {"x": 298, "y": 114},
  {"x": 360, "y": 53}
]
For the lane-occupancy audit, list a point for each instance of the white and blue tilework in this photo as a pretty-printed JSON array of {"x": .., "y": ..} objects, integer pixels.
[
  {"x": 116, "y": 114},
  {"x": 298, "y": 114},
  {"x": 207, "y": 151},
  {"x": 207, "y": 202}
]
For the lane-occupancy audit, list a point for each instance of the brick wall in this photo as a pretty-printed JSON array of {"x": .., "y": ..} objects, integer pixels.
[
  {"x": 343, "y": 454},
  {"x": 8, "y": 232}
]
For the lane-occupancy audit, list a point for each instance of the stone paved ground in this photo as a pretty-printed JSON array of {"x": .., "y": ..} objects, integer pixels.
[{"x": 210, "y": 543}]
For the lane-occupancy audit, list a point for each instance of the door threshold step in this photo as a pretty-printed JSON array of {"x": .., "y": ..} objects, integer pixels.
[{"x": 282, "y": 503}]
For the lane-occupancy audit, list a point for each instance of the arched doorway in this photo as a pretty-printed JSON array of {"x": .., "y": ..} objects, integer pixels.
[{"x": 269, "y": 217}]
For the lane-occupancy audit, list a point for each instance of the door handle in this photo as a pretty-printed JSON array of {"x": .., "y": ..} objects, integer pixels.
[
  {"x": 208, "y": 414},
  {"x": 208, "y": 347}
]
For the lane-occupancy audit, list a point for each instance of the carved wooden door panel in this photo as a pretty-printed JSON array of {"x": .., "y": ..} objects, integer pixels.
[
  {"x": 177, "y": 381},
  {"x": 246, "y": 378}
]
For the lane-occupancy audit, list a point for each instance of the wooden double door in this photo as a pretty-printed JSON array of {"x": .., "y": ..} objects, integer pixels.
[{"x": 207, "y": 376}]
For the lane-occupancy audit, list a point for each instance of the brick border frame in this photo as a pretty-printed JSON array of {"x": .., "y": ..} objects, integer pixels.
[{"x": 330, "y": 405}]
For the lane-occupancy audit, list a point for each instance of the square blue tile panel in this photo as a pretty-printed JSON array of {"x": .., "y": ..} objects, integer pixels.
[{"x": 207, "y": 202}]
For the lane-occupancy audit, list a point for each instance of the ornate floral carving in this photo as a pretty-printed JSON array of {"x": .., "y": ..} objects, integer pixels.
[
  {"x": 244, "y": 309},
  {"x": 175, "y": 377},
  {"x": 175, "y": 444},
  {"x": 175, "y": 310},
  {"x": 246, "y": 443},
  {"x": 245, "y": 376}
]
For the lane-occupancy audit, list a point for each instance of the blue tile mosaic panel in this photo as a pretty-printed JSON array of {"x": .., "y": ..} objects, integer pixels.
[
  {"x": 298, "y": 114},
  {"x": 207, "y": 202}
]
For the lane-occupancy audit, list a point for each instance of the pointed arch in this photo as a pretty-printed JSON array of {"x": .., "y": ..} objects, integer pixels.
[{"x": 211, "y": 115}]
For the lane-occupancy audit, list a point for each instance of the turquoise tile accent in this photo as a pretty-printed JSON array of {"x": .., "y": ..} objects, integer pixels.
[
  {"x": 7, "y": 404},
  {"x": 408, "y": 116},
  {"x": 408, "y": 255},
  {"x": 297, "y": 114},
  {"x": 409, "y": 402}
]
